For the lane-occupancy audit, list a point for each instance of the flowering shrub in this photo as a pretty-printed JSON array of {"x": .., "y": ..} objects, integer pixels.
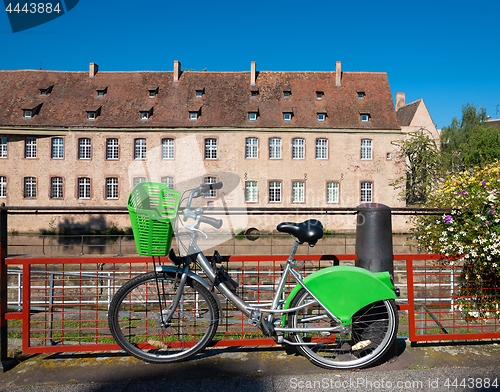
[{"x": 471, "y": 230}]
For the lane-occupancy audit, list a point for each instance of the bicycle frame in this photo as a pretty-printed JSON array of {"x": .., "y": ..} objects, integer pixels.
[{"x": 254, "y": 313}]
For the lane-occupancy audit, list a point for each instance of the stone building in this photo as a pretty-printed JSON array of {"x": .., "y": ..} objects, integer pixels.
[{"x": 287, "y": 139}]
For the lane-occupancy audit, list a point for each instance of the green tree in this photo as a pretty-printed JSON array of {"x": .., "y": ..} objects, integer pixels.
[
  {"x": 469, "y": 142},
  {"x": 423, "y": 166}
]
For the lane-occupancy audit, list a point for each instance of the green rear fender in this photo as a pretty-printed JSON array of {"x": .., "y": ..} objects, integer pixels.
[{"x": 344, "y": 289}]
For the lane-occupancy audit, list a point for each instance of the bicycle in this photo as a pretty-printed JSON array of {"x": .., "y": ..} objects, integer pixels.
[{"x": 339, "y": 317}]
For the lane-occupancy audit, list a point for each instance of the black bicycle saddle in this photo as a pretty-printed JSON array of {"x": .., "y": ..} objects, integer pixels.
[{"x": 309, "y": 231}]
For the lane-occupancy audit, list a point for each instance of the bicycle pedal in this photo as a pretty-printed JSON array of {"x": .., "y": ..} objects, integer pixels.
[{"x": 360, "y": 345}]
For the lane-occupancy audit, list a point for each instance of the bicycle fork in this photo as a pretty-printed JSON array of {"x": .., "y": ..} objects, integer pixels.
[{"x": 166, "y": 315}]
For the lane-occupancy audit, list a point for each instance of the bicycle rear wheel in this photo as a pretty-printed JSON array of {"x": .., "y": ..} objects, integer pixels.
[
  {"x": 138, "y": 327},
  {"x": 374, "y": 330}
]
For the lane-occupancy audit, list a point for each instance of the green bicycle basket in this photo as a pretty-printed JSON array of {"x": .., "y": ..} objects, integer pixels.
[{"x": 152, "y": 208}]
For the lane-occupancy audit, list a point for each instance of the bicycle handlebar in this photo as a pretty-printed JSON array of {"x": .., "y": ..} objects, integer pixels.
[{"x": 188, "y": 213}]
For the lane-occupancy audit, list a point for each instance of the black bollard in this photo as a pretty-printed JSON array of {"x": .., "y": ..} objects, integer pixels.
[{"x": 374, "y": 238}]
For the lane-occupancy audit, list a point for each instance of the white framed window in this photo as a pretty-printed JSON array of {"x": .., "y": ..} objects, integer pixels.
[
  {"x": 321, "y": 148},
  {"x": 210, "y": 148},
  {"x": 287, "y": 116},
  {"x": 167, "y": 148},
  {"x": 56, "y": 188},
  {"x": 29, "y": 187},
  {"x": 366, "y": 149},
  {"x": 361, "y": 95},
  {"x": 57, "y": 148},
  {"x": 321, "y": 117},
  {"x": 30, "y": 148},
  {"x": 212, "y": 193},
  {"x": 84, "y": 188},
  {"x": 140, "y": 148},
  {"x": 274, "y": 191},
  {"x": 199, "y": 93},
  {"x": 138, "y": 180},
  {"x": 169, "y": 181},
  {"x": 251, "y": 191},
  {"x": 3, "y": 186},
  {"x": 144, "y": 115},
  {"x": 112, "y": 188},
  {"x": 193, "y": 116},
  {"x": 298, "y": 191},
  {"x": 319, "y": 94},
  {"x": 286, "y": 94},
  {"x": 91, "y": 116},
  {"x": 112, "y": 148},
  {"x": 298, "y": 148},
  {"x": 366, "y": 192},
  {"x": 84, "y": 148},
  {"x": 252, "y": 116},
  {"x": 152, "y": 93},
  {"x": 365, "y": 118},
  {"x": 251, "y": 148},
  {"x": 275, "y": 148},
  {"x": 100, "y": 93},
  {"x": 332, "y": 192},
  {"x": 27, "y": 113},
  {"x": 3, "y": 147}
]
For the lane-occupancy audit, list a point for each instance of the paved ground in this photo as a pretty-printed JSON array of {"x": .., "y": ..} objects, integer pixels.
[{"x": 447, "y": 367}]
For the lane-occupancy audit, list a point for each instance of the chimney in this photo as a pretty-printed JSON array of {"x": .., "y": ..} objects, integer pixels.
[
  {"x": 338, "y": 74},
  {"x": 93, "y": 69},
  {"x": 400, "y": 100},
  {"x": 177, "y": 70},
  {"x": 253, "y": 73}
]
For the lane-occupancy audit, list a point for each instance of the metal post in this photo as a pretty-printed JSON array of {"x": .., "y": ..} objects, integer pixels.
[{"x": 5, "y": 362}]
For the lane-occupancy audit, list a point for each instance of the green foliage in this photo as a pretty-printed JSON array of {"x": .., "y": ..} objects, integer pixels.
[
  {"x": 469, "y": 142},
  {"x": 471, "y": 230},
  {"x": 423, "y": 166}
]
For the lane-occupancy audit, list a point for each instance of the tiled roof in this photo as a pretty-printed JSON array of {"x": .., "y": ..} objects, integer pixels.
[
  {"x": 406, "y": 113},
  {"x": 226, "y": 99}
]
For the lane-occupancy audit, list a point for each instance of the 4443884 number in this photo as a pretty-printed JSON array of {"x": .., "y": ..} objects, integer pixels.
[{"x": 33, "y": 8}]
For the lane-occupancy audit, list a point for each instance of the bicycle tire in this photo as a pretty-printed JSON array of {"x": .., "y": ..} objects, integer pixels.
[
  {"x": 374, "y": 330},
  {"x": 134, "y": 319}
]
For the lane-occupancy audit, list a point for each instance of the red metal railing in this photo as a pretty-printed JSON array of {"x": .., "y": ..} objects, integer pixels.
[
  {"x": 65, "y": 300},
  {"x": 444, "y": 303}
]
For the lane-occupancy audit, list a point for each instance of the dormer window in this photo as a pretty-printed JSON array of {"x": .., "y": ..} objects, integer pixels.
[
  {"x": 101, "y": 91},
  {"x": 145, "y": 114},
  {"x": 254, "y": 93},
  {"x": 30, "y": 112},
  {"x": 199, "y": 93},
  {"x": 321, "y": 117},
  {"x": 287, "y": 116},
  {"x": 286, "y": 94},
  {"x": 365, "y": 117},
  {"x": 361, "y": 95},
  {"x": 93, "y": 113},
  {"x": 252, "y": 116},
  {"x": 193, "y": 116},
  {"x": 45, "y": 91},
  {"x": 319, "y": 94},
  {"x": 153, "y": 92}
]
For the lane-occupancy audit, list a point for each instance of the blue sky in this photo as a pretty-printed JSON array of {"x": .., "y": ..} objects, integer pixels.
[{"x": 446, "y": 52}]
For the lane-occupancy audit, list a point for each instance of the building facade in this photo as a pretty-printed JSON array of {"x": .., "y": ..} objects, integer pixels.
[{"x": 278, "y": 139}]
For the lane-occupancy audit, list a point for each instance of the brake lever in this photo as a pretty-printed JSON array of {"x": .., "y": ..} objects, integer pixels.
[{"x": 192, "y": 227}]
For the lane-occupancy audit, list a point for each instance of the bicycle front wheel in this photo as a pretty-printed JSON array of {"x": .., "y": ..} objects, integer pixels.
[
  {"x": 373, "y": 331},
  {"x": 143, "y": 323}
]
